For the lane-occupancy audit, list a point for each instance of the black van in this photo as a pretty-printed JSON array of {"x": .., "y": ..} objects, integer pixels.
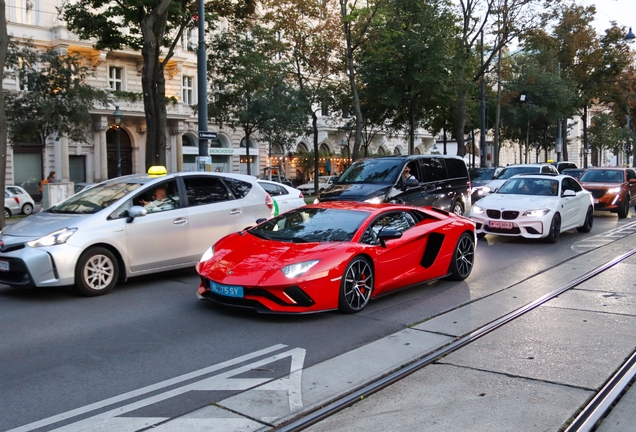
[{"x": 436, "y": 180}]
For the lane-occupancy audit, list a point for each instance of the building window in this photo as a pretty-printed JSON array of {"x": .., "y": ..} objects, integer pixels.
[
  {"x": 188, "y": 90},
  {"x": 188, "y": 40},
  {"x": 115, "y": 78},
  {"x": 25, "y": 11}
]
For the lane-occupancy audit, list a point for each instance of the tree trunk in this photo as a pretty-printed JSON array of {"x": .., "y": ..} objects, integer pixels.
[
  {"x": 411, "y": 130},
  {"x": 247, "y": 152},
  {"x": 564, "y": 145},
  {"x": 495, "y": 143},
  {"x": 4, "y": 44},
  {"x": 314, "y": 125},
  {"x": 461, "y": 122},
  {"x": 153, "y": 85},
  {"x": 354, "y": 93}
]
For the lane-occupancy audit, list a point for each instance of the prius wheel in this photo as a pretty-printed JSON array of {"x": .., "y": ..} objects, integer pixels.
[
  {"x": 555, "y": 229},
  {"x": 356, "y": 286},
  {"x": 589, "y": 221},
  {"x": 623, "y": 210},
  {"x": 458, "y": 208},
  {"x": 96, "y": 272},
  {"x": 463, "y": 258},
  {"x": 27, "y": 209},
  {"x": 7, "y": 213}
]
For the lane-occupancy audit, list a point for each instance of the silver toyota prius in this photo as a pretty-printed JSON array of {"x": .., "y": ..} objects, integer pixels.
[{"x": 128, "y": 226}]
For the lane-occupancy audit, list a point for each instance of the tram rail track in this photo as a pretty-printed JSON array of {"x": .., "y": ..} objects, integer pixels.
[{"x": 590, "y": 414}]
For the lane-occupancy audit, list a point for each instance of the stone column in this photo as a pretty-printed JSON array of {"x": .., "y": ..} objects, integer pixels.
[
  {"x": 64, "y": 164},
  {"x": 99, "y": 147}
]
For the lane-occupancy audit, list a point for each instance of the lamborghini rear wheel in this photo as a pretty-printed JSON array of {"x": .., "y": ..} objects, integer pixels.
[{"x": 463, "y": 258}]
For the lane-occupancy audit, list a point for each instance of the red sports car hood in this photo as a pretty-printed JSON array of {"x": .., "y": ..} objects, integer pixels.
[{"x": 247, "y": 260}]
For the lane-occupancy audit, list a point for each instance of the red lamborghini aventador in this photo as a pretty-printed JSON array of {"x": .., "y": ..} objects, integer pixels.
[{"x": 335, "y": 255}]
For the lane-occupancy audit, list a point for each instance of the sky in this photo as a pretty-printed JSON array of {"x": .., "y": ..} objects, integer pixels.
[{"x": 621, "y": 11}]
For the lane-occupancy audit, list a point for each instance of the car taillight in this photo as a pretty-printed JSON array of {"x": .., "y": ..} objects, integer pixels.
[
  {"x": 16, "y": 200},
  {"x": 301, "y": 195},
  {"x": 269, "y": 202}
]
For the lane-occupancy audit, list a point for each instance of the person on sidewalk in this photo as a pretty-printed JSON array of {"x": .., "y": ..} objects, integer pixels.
[{"x": 49, "y": 179}]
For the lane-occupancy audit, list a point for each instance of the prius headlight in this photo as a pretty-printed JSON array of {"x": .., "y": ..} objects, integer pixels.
[
  {"x": 208, "y": 254},
  {"x": 614, "y": 190},
  {"x": 477, "y": 210},
  {"x": 297, "y": 269},
  {"x": 536, "y": 213},
  {"x": 55, "y": 238}
]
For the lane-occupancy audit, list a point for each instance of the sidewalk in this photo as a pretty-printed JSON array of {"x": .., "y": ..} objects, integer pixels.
[{"x": 533, "y": 374}]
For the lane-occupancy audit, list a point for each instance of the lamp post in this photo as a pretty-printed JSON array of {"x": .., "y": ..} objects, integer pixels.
[
  {"x": 202, "y": 82},
  {"x": 117, "y": 116},
  {"x": 629, "y": 37}
]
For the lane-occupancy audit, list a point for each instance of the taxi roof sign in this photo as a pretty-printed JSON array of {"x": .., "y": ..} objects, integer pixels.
[{"x": 157, "y": 170}]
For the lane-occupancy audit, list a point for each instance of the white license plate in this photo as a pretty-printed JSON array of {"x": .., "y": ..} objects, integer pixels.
[
  {"x": 226, "y": 290},
  {"x": 503, "y": 225},
  {"x": 4, "y": 265},
  {"x": 595, "y": 201}
]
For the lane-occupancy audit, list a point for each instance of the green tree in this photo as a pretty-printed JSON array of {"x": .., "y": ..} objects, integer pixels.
[
  {"x": 411, "y": 40},
  {"x": 4, "y": 47},
  {"x": 54, "y": 99},
  {"x": 605, "y": 133},
  {"x": 153, "y": 27},
  {"x": 250, "y": 91},
  {"x": 310, "y": 52}
]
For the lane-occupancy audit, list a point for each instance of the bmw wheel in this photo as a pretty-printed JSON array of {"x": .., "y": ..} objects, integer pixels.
[
  {"x": 27, "y": 209},
  {"x": 555, "y": 229},
  {"x": 356, "y": 286},
  {"x": 96, "y": 272},
  {"x": 463, "y": 258},
  {"x": 589, "y": 221}
]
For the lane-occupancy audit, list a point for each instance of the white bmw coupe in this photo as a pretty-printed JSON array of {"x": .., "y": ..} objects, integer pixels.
[{"x": 535, "y": 206}]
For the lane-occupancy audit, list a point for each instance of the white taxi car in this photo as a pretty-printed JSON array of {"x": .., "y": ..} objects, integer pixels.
[{"x": 535, "y": 206}]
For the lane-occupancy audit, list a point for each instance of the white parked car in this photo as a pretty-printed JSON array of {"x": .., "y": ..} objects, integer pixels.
[
  {"x": 286, "y": 197},
  {"x": 17, "y": 201},
  {"x": 535, "y": 206},
  {"x": 323, "y": 183}
]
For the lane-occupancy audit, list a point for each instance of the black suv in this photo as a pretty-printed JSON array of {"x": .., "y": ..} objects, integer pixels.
[{"x": 438, "y": 181}]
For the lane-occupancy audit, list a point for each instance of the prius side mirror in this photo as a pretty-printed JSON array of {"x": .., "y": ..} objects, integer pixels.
[{"x": 134, "y": 212}]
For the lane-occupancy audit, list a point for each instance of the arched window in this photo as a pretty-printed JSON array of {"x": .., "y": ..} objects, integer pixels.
[
  {"x": 251, "y": 143},
  {"x": 396, "y": 151}
]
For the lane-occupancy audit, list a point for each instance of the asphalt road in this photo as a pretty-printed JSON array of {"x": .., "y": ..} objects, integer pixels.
[{"x": 60, "y": 352}]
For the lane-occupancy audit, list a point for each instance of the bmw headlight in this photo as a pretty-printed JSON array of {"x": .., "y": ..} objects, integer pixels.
[
  {"x": 207, "y": 254},
  {"x": 477, "y": 210},
  {"x": 536, "y": 213},
  {"x": 55, "y": 238},
  {"x": 376, "y": 200},
  {"x": 614, "y": 190},
  {"x": 297, "y": 269}
]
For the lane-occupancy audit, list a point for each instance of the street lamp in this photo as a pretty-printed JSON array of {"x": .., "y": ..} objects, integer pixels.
[
  {"x": 629, "y": 37},
  {"x": 117, "y": 116}
]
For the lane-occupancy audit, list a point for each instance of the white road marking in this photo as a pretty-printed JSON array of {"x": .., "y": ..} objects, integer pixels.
[
  {"x": 604, "y": 238},
  {"x": 110, "y": 420},
  {"x": 144, "y": 390}
]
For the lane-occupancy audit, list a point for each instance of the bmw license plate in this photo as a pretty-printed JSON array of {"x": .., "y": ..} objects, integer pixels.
[
  {"x": 226, "y": 290},
  {"x": 497, "y": 224},
  {"x": 4, "y": 265}
]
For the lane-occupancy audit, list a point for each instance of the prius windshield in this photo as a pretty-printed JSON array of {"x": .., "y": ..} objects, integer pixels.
[
  {"x": 377, "y": 171},
  {"x": 95, "y": 199}
]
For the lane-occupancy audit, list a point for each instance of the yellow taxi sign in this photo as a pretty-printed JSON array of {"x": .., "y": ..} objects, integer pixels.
[
  {"x": 550, "y": 161},
  {"x": 157, "y": 170}
]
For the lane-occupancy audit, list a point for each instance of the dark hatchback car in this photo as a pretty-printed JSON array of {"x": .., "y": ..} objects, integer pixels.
[
  {"x": 437, "y": 181},
  {"x": 479, "y": 178}
]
